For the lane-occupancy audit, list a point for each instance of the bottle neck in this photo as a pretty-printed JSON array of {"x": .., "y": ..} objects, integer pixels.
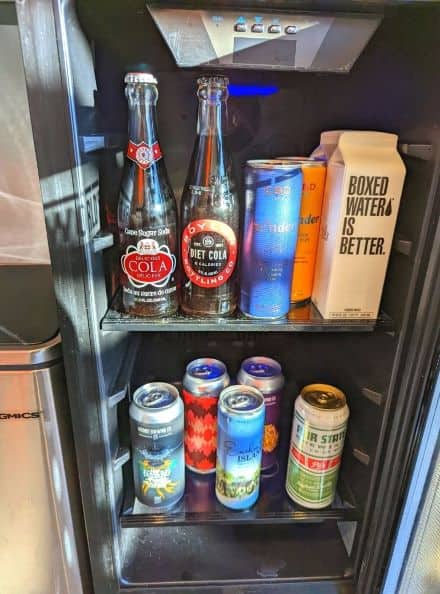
[
  {"x": 211, "y": 118},
  {"x": 142, "y": 113}
]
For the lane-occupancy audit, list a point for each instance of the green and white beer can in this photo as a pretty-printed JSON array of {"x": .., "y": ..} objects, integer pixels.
[{"x": 317, "y": 440}]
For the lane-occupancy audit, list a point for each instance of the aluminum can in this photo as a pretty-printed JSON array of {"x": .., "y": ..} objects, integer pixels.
[
  {"x": 203, "y": 381},
  {"x": 317, "y": 440},
  {"x": 273, "y": 199},
  {"x": 156, "y": 420},
  {"x": 240, "y": 440},
  {"x": 314, "y": 173},
  {"x": 266, "y": 375}
]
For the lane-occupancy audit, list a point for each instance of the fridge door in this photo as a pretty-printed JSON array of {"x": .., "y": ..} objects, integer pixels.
[
  {"x": 414, "y": 567},
  {"x": 37, "y": 530}
]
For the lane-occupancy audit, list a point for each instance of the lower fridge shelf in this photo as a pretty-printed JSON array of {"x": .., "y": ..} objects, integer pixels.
[
  {"x": 199, "y": 505},
  {"x": 195, "y": 558}
]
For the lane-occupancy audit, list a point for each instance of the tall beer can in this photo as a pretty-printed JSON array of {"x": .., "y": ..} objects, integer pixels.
[
  {"x": 265, "y": 374},
  {"x": 317, "y": 440},
  {"x": 240, "y": 439},
  {"x": 204, "y": 380},
  {"x": 314, "y": 174},
  {"x": 156, "y": 420},
  {"x": 273, "y": 198}
]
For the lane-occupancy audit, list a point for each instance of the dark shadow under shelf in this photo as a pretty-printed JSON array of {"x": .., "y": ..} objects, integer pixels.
[{"x": 300, "y": 319}]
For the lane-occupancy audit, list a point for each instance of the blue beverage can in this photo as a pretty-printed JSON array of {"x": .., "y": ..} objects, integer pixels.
[
  {"x": 273, "y": 201},
  {"x": 239, "y": 446},
  {"x": 156, "y": 422}
]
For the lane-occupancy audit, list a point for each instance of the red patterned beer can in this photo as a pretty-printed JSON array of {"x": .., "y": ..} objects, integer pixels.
[{"x": 204, "y": 380}]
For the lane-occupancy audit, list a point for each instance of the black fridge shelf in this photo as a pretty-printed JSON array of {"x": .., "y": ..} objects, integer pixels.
[
  {"x": 199, "y": 506},
  {"x": 300, "y": 319}
]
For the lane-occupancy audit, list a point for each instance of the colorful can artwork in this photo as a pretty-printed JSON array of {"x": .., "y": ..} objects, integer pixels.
[
  {"x": 318, "y": 433},
  {"x": 240, "y": 440},
  {"x": 156, "y": 418},
  {"x": 204, "y": 380},
  {"x": 266, "y": 375}
]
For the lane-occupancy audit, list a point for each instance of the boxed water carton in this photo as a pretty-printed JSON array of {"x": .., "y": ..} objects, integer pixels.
[
  {"x": 365, "y": 176},
  {"x": 327, "y": 144}
]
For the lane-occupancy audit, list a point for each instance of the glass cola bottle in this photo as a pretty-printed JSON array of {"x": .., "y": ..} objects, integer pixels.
[
  {"x": 147, "y": 212},
  {"x": 209, "y": 212}
]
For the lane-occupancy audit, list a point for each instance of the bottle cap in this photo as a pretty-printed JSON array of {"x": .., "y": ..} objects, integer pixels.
[
  {"x": 213, "y": 81},
  {"x": 140, "y": 77}
]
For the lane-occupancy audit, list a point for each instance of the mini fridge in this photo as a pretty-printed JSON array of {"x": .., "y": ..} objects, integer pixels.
[{"x": 333, "y": 66}]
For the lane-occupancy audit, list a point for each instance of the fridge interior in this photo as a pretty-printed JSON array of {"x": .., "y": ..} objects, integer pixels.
[{"x": 390, "y": 88}]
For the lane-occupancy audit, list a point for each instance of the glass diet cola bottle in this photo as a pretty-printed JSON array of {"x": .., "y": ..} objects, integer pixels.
[
  {"x": 147, "y": 216},
  {"x": 210, "y": 213}
]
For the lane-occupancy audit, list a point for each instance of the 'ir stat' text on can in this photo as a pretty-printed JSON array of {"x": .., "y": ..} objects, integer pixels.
[
  {"x": 204, "y": 380},
  {"x": 265, "y": 374},
  {"x": 156, "y": 419},
  {"x": 317, "y": 440},
  {"x": 273, "y": 199},
  {"x": 240, "y": 437}
]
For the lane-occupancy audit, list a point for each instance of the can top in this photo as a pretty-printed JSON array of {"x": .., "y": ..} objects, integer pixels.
[
  {"x": 156, "y": 396},
  {"x": 140, "y": 77},
  {"x": 241, "y": 400},
  {"x": 324, "y": 396},
  {"x": 205, "y": 369},
  {"x": 262, "y": 373},
  {"x": 283, "y": 164},
  {"x": 306, "y": 161}
]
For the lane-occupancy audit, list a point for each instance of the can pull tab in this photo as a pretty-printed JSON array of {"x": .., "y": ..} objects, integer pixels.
[
  {"x": 324, "y": 398},
  {"x": 153, "y": 398},
  {"x": 202, "y": 371},
  {"x": 240, "y": 401}
]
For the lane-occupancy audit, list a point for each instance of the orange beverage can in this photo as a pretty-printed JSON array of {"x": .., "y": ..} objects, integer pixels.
[{"x": 314, "y": 172}]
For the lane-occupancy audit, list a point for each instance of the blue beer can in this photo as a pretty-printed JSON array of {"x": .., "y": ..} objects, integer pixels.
[
  {"x": 239, "y": 446},
  {"x": 273, "y": 201}
]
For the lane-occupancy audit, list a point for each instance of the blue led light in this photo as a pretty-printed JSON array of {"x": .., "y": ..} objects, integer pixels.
[{"x": 252, "y": 90}]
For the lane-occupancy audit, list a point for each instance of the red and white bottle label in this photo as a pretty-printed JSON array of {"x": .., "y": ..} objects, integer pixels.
[
  {"x": 209, "y": 252},
  {"x": 142, "y": 154},
  {"x": 147, "y": 263}
]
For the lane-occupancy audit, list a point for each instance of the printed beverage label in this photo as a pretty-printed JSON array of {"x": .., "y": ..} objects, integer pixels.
[
  {"x": 363, "y": 189},
  {"x": 314, "y": 459},
  {"x": 148, "y": 264},
  {"x": 142, "y": 154},
  {"x": 200, "y": 431},
  {"x": 308, "y": 232},
  {"x": 271, "y": 430},
  {"x": 209, "y": 252},
  {"x": 160, "y": 479},
  {"x": 238, "y": 468}
]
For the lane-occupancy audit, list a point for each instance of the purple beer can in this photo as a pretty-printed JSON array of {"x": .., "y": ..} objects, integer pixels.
[
  {"x": 266, "y": 375},
  {"x": 273, "y": 200}
]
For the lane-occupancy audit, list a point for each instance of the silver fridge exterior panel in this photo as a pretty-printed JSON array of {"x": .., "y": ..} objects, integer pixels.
[{"x": 38, "y": 552}]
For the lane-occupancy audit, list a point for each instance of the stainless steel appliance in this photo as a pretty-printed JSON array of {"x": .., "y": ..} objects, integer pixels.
[{"x": 39, "y": 536}]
